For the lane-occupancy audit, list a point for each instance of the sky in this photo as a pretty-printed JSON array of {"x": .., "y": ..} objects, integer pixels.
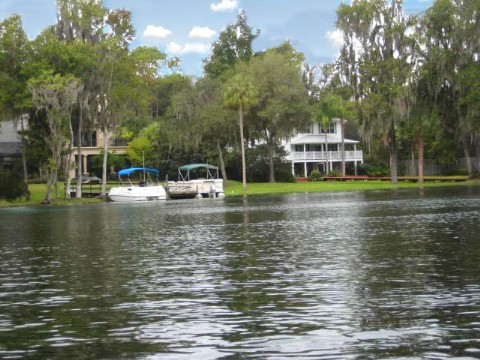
[{"x": 187, "y": 28}]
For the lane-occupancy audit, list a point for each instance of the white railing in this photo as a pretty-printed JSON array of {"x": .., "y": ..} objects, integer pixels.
[{"x": 327, "y": 155}]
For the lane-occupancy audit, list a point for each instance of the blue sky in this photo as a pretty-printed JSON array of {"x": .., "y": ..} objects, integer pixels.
[{"x": 187, "y": 28}]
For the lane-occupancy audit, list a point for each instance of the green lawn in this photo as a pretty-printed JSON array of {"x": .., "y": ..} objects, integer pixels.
[{"x": 234, "y": 188}]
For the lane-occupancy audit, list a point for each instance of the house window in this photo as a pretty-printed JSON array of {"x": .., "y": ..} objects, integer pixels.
[
  {"x": 304, "y": 130},
  {"x": 331, "y": 128},
  {"x": 298, "y": 147}
]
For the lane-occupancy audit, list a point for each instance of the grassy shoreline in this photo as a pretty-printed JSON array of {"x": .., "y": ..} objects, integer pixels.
[{"x": 234, "y": 188}]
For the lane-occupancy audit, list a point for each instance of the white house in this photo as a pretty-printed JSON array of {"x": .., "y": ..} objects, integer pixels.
[{"x": 308, "y": 150}]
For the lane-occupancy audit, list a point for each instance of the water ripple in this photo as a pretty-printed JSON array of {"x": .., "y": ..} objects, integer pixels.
[{"x": 306, "y": 276}]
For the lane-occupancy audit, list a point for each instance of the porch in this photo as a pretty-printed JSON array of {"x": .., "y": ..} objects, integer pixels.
[
  {"x": 354, "y": 155},
  {"x": 304, "y": 162}
]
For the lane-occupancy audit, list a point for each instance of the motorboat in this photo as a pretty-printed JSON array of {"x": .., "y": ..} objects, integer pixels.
[
  {"x": 145, "y": 190},
  {"x": 196, "y": 181}
]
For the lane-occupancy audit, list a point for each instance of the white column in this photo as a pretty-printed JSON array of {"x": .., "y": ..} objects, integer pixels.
[{"x": 84, "y": 167}]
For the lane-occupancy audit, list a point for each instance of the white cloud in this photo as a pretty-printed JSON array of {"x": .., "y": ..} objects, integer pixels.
[
  {"x": 224, "y": 5},
  {"x": 335, "y": 37},
  {"x": 199, "y": 32},
  {"x": 158, "y": 32},
  {"x": 176, "y": 49}
]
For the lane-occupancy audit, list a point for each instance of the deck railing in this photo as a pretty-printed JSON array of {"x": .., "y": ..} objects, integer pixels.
[{"x": 327, "y": 155}]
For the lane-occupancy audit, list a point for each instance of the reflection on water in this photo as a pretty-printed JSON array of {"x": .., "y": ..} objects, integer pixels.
[{"x": 324, "y": 276}]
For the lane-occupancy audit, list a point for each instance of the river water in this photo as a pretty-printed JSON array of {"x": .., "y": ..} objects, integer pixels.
[{"x": 364, "y": 275}]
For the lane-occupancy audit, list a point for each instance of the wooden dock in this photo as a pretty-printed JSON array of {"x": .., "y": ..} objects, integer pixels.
[{"x": 400, "y": 178}]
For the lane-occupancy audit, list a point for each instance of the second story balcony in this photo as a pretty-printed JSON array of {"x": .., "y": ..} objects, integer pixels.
[{"x": 350, "y": 155}]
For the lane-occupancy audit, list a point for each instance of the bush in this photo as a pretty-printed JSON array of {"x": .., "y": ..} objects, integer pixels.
[
  {"x": 334, "y": 173},
  {"x": 11, "y": 184},
  {"x": 314, "y": 175},
  {"x": 284, "y": 176},
  {"x": 373, "y": 170},
  {"x": 457, "y": 172}
]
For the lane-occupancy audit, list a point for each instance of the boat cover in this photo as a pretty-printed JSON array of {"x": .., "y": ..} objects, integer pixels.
[
  {"x": 196, "y": 166},
  {"x": 127, "y": 172}
]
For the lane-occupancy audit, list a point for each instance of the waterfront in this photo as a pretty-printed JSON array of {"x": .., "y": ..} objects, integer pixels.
[{"x": 376, "y": 274}]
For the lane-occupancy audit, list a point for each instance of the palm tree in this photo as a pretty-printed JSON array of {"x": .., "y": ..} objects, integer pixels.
[
  {"x": 332, "y": 106},
  {"x": 240, "y": 94}
]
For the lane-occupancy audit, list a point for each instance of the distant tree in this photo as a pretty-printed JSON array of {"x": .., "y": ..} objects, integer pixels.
[
  {"x": 233, "y": 45},
  {"x": 141, "y": 151}
]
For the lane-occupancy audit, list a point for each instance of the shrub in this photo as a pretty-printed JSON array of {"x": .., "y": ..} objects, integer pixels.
[
  {"x": 314, "y": 175},
  {"x": 11, "y": 184},
  {"x": 373, "y": 170},
  {"x": 457, "y": 172},
  {"x": 334, "y": 173}
]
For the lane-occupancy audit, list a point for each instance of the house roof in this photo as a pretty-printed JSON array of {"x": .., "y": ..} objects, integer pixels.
[{"x": 320, "y": 139}]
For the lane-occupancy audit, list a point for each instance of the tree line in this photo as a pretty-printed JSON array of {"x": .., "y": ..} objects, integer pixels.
[{"x": 407, "y": 85}]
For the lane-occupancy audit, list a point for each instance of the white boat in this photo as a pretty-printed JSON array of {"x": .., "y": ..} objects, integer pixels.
[
  {"x": 207, "y": 186},
  {"x": 145, "y": 190}
]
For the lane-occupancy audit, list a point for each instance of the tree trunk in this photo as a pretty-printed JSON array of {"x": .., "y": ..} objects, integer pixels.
[
  {"x": 342, "y": 125},
  {"x": 104, "y": 167},
  {"x": 222, "y": 165},
  {"x": 477, "y": 157},
  {"x": 68, "y": 164},
  {"x": 55, "y": 182},
  {"x": 48, "y": 194},
  {"x": 420, "y": 160},
  {"x": 393, "y": 154},
  {"x": 413, "y": 170},
  {"x": 271, "y": 164},
  {"x": 24, "y": 166},
  {"x": 242, "y": 149},
  {"x": 78, "y": 189},
  {"x": 468, "y": 160},
  {"x": 327, "y": 170}
]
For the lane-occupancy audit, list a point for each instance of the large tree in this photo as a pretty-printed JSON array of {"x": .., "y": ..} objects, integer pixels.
[
  {"x": 55, "y": 95},
  {"x": 14, "y": 97},
  {"x": 240, "y": 94},
  {"x": 282, "y": 104},
  {"x": 202, "y": 121},
  {"x": 376, "y": 57},
  {"x": 449, "y": 33},
  {"x": 86, "y": 21}
]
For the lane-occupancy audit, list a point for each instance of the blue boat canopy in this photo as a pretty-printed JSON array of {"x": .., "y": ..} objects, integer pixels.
[{"x": 127, "y": 172}]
